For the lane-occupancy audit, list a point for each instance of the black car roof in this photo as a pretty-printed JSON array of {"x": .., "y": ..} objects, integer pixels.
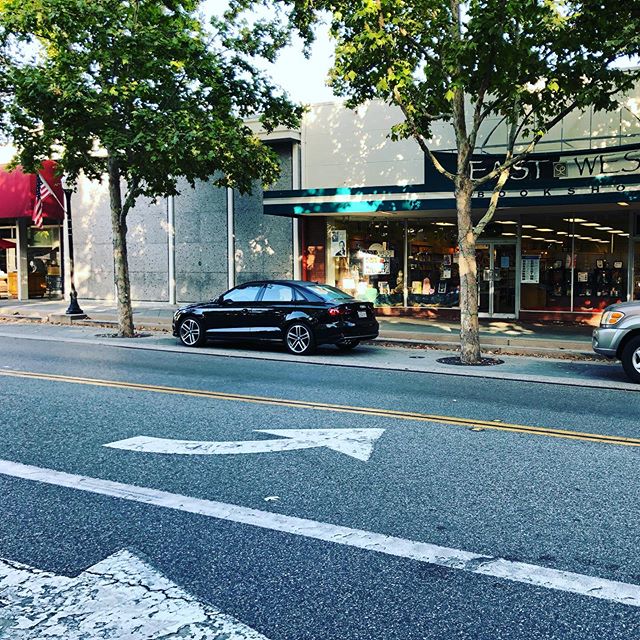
[{"x": 300, "y": 283}]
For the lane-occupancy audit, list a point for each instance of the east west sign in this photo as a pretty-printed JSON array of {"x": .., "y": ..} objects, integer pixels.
[{"x": 559, "y": 174}]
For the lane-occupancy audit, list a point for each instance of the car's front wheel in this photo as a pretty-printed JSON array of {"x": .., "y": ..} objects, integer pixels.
[
  {"x": 192, "y": 332},
  {"x": 299, "y": 339},
  {"x": 631, "y": 359}
]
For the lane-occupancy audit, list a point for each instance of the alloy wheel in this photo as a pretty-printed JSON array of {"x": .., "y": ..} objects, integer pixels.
[
  {"x": 298, "y": 338},
  {"x": 190, "y": 332},
  {"x": 635, "y": 359}
]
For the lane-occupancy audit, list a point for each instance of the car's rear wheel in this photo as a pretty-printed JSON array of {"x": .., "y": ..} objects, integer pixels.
[
  {"x": 299, "y": 339},
  {"x": 631, "y": 359},
  {"x": 192, "y": 332},
  {"x": 347, "y": 345}
]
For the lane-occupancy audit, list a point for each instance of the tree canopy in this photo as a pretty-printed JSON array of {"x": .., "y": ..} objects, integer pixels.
[{"x": 144, "y": 80}]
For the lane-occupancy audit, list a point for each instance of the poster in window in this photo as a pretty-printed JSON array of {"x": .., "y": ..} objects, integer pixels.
[
  {"x": 339, "y": 243},
  {"x": 583, "y": 276},
  {"x": 373, "y": 265},
  {"x": 618, "y": 264},
  {"x": 446, "y": 259},
  {"x": 446, "y": 273},
  {"x": 530, "y": 270},
  {"x": 442, "y": 287}
]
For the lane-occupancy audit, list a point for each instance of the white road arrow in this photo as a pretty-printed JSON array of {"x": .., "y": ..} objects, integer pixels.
[
  {"x": 121, "y": 597},
  {"x": 357, "y": 443}
]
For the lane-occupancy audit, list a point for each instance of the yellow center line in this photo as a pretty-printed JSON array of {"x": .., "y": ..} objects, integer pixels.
[{"x": 339, "y": 408}]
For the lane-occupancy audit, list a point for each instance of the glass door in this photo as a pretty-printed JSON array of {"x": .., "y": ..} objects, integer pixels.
[
  {"x": 504, "y": 282},
  {"x": 496, "y": 279},
  {"x": 484, "y": 265}
]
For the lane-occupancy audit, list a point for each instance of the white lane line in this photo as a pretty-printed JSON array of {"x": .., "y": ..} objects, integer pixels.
[{"x": 448, "y": 557}]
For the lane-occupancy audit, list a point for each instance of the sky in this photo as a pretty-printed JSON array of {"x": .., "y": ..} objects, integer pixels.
[{"x": 303, "y": 79}]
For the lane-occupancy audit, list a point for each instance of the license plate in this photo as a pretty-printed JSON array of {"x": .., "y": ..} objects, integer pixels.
[{"x": 362, "y": 314}]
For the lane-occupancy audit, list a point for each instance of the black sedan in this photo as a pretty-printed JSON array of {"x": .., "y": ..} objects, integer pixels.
[{"x": 300, "y": 314}]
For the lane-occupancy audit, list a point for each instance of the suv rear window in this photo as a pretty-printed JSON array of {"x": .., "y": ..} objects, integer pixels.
[{"x": 327, "y": 292}]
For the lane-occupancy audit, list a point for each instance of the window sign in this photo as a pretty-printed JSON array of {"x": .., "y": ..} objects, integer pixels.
[
  {"x": 339, "y": 243},
  {"x": 530, "y": 270},
  {"x": 373, "y": 265}
]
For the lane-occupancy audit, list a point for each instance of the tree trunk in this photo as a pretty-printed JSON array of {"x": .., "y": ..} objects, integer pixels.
[
  {"x": 469, "y": 326},
  {"x": 121, "y": 263}
]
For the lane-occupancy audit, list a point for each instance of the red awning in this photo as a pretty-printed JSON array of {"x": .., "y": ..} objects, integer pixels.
[
  {"x": 18, "y": 193},
  {"x": 7, "y": 244}
]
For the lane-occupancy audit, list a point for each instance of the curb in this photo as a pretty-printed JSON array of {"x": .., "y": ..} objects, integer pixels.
[
  {"x": 435, "y": 342},
  {"x": 515, "y": 350}
]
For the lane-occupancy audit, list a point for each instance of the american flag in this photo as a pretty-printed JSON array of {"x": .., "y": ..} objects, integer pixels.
[{"x": 43, "y": 191}]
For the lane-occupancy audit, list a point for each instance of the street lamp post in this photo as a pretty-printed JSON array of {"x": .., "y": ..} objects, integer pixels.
[{"x": 74, "y": 307}]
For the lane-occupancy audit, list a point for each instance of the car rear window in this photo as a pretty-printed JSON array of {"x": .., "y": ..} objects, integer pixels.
[
  {"x": 278, "y": 293},
  {"x": 327, "y": 292}
]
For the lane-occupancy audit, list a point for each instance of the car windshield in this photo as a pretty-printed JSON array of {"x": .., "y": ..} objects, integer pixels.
[{"x": 327, "y": 292}]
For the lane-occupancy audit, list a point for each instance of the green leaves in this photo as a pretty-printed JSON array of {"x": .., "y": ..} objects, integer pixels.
[{"x": 146, "y": 81}]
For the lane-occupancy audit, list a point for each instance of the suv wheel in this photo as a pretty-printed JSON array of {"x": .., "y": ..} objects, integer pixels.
[
  {"x": 299, "y": 339},
  {"x": 192, "y": 333},
  {"x": 631, "y": 359}
]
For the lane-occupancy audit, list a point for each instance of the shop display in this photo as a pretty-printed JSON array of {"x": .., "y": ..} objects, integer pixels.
[
  {"x": 433, "y": 262},
  {"x": 559, "y": 269},
  {"x": 370, "y": 266}
]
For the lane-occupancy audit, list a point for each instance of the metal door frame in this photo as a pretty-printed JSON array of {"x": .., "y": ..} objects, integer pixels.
[{"x": 492, "y": 242}]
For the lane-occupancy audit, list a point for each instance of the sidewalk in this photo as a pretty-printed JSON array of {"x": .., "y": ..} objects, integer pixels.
[{"x": 498, "y": 336}]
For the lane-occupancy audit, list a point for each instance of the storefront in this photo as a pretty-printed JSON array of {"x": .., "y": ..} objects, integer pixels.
[
  {"x": 30, "y": 254},
  {"x": 564, "y": 244}
]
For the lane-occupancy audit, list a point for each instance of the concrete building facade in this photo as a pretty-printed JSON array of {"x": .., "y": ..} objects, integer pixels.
[{"x": 357, "y": 210}]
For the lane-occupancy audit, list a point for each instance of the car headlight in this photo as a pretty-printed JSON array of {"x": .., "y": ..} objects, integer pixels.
[{"x": 609, "y": 318}]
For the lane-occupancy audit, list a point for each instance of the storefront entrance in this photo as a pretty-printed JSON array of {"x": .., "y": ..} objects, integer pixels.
[{"x": 497, "y": 278}]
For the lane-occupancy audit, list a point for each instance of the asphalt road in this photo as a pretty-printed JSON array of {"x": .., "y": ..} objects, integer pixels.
[{"x": 569, "y": 505}]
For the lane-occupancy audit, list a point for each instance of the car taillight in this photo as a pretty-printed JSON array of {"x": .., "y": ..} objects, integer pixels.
[{"x": 335, "y": 311}]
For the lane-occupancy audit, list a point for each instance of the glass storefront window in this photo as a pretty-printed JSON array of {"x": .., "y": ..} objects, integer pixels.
[
  {"x": 568, "y": 262},
  {"x": 434, "y": 277},
  {"x": 43, "y": 257},
  {"x": 366, "y": 259},
  {"x": 574, "y": 263}
]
